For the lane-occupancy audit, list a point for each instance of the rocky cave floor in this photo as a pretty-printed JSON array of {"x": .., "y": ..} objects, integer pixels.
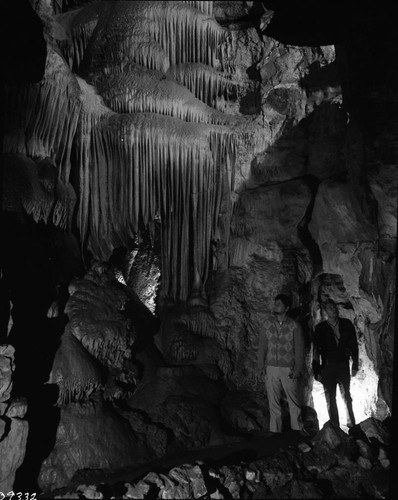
[{"x": 328, "y": 464}]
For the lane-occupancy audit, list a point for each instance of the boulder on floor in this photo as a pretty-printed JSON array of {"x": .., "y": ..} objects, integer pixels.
[
  {"x": 186, "y": 403},
  {"x": 90, "y": 436}
]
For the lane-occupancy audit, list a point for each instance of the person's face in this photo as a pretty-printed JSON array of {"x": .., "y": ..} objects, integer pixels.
[
  {"x": 331, "y": 311},
  {"x": 279, "y": 307}
]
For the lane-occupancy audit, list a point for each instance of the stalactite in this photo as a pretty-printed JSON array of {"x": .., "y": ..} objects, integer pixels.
[
  {"x": 63, "y": 209},
  {"x": 181, "y": 352},
  {"x": 45, "y": 198},
  {"x": 142, "y": 50},
  {"x": 60, "y": 6},
  {"x": 126, "y": 33},
  {"x": 163, "y": 151},
  {"x": 199, "y": 322},
  {"x": 204, "y": 6},
  {"x": 141, "y": 90},
  {"x": 205, "y": 82},
  {"x": 197, "y": 34},
  {"x": 149, "y": 33},
  {"x": 74, "y": 371},
  {"x": 167, "y": 161},
  {"x": 87, "y": 157},
  {"x": 42, "y": 118},
  {"x": 74, "y": 47}
]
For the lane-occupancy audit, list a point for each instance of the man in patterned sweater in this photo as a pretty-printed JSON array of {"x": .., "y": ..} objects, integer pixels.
[{"x": 281, "y": 346}]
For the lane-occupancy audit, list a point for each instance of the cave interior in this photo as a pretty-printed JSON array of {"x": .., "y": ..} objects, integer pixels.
[{"x": 167, "y": 169}]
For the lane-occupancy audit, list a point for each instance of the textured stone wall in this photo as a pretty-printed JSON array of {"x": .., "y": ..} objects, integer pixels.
[
  {"x": 13, "y": 426},
  {"x": 312, "y": 199},
  {"x": 285, "y": 181}
]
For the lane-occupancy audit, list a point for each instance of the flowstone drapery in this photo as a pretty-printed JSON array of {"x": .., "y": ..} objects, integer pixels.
[
  {"x": 162, "y": 153},
  {"x": 137, "y": 113}
]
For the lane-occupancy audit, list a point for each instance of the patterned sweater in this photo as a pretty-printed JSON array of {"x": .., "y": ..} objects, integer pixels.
[{"x": 281, "y": 345}]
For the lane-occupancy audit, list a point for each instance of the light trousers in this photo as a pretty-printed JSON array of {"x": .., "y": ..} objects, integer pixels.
[{"x": 277, "y": 380}]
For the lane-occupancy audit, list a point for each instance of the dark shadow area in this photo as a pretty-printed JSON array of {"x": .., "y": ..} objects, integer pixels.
[
  {"x": 27, "y": 286},
  {"x": 321, "y": 76},
  {"x": 311, "y": 23},
  {"x": 24, "y": 49},
  {"x": 254, "y": 73},
  {"x": 34, "y": 277},
  {"x": 250, "y": 103},
  {"x": 43, "y": 418}
]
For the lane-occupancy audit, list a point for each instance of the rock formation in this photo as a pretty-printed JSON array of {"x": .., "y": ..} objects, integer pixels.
[
  {"x": 332, "y": 465},
  {"x": 13, "y": 426},
  {"x": 168, "y": 168}
]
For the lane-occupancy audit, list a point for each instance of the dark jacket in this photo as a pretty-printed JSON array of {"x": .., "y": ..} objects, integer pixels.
[{"x": 326, "y": 347}]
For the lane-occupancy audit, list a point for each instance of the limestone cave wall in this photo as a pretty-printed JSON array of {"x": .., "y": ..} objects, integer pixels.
[{"x": 168, "y": 168}]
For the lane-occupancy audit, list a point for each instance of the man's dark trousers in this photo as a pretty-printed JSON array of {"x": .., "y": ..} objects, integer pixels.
[{"x": 337, "y": 373}]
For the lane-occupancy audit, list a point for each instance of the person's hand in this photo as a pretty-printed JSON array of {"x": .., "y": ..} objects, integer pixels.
[{"x": 294, "y": 374}]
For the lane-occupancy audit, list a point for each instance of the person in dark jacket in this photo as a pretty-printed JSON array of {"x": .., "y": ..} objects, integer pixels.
[
  {"x": 335, "y": 342},
  {"x": 281, "y": 350}
]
